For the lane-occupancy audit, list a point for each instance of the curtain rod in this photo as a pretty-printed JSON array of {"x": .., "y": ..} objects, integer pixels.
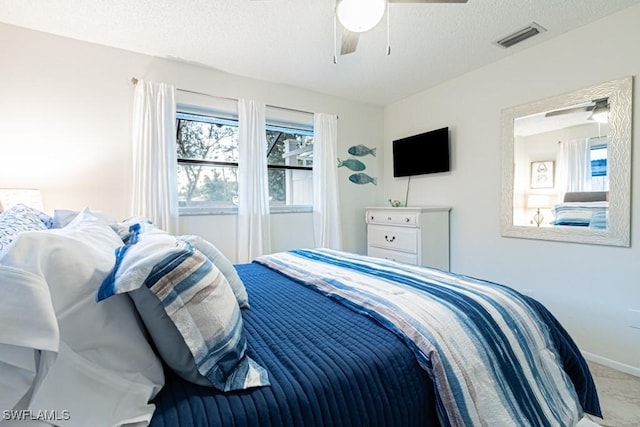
[{"x": 134, "y": 81}]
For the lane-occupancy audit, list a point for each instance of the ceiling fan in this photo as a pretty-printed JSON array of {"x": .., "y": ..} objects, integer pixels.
[
  {"x": 599, "y": 108},
  {"x": 358, "y": 16}
]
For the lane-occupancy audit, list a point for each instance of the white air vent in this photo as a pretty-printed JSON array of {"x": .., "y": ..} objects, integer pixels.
[{"x": 520, "y": 35}]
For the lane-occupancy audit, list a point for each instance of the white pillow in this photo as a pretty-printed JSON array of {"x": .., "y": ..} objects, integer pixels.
[
  {"x": 63, "y": 217},
  {"x": 105, "y": 372}
]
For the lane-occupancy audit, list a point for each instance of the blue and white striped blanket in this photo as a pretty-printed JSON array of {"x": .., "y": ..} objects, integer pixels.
[{"x": 488, "y": 353}]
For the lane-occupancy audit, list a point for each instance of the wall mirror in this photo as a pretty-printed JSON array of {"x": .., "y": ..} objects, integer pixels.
[{"x": 566, "y": 166}]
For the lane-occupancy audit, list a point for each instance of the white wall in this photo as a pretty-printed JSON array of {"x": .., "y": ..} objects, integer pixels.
[
  {"x": 65, "y": 123},
  {"x": 588, "y": 287}
]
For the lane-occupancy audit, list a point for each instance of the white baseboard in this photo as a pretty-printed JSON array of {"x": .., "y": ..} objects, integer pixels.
[{"x": 628, "y": 369}]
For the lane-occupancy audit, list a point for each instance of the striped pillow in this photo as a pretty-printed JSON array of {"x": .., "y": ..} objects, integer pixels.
[
  {"x": 225, "y": 266},
  {"x": 188, "y": 308}
]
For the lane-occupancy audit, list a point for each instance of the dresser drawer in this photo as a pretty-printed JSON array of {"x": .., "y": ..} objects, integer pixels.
[
  {"x": 393, "y": 238},
  {"x": 407, "y": 219},
  {"x": 393, "y": 255}
]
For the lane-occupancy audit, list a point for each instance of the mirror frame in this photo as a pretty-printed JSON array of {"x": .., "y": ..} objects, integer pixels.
[{"x": 617, "y": 233}]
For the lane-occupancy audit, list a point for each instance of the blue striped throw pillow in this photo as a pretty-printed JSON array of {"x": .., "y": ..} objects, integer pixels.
[
  {"x": 223, "y": 264},
  {"x": 188, "y": 307}
]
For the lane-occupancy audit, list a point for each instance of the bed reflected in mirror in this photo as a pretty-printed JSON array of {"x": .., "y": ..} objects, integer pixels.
[{"x": 566, "y": 166}]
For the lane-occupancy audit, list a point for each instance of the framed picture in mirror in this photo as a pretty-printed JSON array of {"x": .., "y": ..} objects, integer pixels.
[{"x": 542, "y": 174}]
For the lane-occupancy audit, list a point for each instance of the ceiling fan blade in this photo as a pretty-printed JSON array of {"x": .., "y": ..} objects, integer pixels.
[
  {"x": 570, "y": 111},
  {"x": 349, "y": 42},
  {"x": 427, "y": 1}
]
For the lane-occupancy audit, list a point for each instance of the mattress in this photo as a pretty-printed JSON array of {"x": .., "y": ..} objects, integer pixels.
[{"x": 327, "y": 365}]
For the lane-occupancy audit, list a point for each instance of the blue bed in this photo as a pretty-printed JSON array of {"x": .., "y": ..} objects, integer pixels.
[
  {"x": 331, "y": 338},
  {"x": 583, "y": 209},
  {"x": 328, "y": 365}
]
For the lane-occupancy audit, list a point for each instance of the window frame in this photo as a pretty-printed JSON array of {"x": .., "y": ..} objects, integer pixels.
[{"x": 213, "y": 116}]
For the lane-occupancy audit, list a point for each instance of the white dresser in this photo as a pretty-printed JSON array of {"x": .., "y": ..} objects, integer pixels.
[{"x": 418, "y": 236}]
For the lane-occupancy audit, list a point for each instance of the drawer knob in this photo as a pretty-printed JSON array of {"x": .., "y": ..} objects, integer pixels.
[
  {"x": 389, "y": 218},
  {"x": 389, "y": 239},
  {"x": 407, "y": 220}
]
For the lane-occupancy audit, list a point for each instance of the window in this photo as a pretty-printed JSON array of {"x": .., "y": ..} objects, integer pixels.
[
  {"x": 207, "y": 148},
  {"x": 290, "y": 164},
  {"x": 599, "y": 173}
]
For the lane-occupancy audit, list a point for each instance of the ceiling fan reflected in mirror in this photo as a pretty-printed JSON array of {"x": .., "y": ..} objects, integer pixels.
[
  {"x": 599, "y": 109},
  {"x": 358, "y": 16}
]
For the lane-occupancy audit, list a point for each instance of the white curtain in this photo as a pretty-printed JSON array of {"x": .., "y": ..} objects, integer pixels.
[
  {"x": 574, "y": 166},
  {"x": 155, "y": 182},
  {"x": 326, "y": 212},
  {"x": 253, "y": 188}
]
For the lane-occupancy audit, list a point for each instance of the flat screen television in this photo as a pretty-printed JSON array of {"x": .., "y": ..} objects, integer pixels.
[{"x": 421, "y": 154}]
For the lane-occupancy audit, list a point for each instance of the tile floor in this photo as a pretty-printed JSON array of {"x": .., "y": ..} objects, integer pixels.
[{"x": 619, "y": 397}]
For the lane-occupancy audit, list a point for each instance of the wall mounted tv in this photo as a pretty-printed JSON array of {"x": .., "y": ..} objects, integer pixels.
[{"x": 421, "y": 154}]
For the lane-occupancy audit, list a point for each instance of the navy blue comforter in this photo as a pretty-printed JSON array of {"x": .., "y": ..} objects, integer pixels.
[{"x": 328, "y": 366}]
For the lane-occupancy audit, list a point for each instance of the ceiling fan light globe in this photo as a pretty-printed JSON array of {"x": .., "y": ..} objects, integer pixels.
[
  {"x": 600, "y": 116},
  {"x": 359, "y": 16}
]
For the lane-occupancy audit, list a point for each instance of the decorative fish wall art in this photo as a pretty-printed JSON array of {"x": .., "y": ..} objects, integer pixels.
[
  {"x": 358, "y": 166},
  {"x": 353, "y": 164},
  {"x": 362, "y": 178},
  {"x": 361, "y": 150}
]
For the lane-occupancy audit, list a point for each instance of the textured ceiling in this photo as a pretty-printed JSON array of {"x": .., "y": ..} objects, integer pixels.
[{"x": 292, "y": 41}]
